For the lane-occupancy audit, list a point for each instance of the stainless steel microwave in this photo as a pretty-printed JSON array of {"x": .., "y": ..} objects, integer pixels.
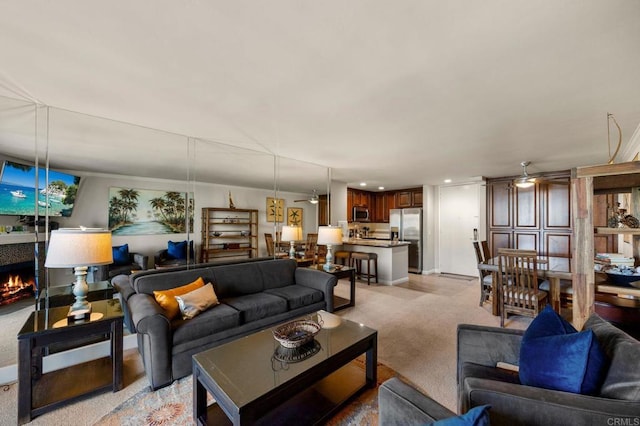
[{"x": 360, "y": 214}]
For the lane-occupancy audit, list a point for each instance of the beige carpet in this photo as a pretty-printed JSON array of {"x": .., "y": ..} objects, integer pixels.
[{"x": 416, "y": 323}]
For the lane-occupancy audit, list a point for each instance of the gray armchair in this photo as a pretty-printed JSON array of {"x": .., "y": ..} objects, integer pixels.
[
  {"x": 480, "y": 382},
  {"x": 138, "y": 262}
]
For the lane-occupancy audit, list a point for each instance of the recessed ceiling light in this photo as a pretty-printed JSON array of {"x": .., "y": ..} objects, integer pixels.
[
  {"x": 363, "y": 183},
  {"x": 447, "y": 181},
  {"x": 381, "y": 188}
]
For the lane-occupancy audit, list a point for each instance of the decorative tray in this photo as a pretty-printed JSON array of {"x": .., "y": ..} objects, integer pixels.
[{"x": 296, "y": 333}]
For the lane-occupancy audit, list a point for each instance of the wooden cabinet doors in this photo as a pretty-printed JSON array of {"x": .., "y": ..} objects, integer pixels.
[{"x": 536, "y": 218}]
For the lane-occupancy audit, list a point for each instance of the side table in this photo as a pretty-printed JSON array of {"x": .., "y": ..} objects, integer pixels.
[
  {"x": 39, "y": 393},
  {"x": 342, "y": 272}
]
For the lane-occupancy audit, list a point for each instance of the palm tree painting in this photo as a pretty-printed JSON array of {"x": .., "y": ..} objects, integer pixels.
[{"x": 145, "y": 211}]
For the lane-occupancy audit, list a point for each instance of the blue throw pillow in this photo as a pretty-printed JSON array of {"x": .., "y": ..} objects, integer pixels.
[
  {"x": 121, "y": 254},
  {"x": 477, "y": 416},
  {"x": 177, "y": 250},
  {"x": 553, "y": 355}
]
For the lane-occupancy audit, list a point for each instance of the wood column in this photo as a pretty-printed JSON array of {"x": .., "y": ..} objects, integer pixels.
[{"x": 582, "y": 252}]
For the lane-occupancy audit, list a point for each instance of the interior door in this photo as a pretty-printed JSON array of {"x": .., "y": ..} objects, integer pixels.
[{"x": 459, "y": 216}]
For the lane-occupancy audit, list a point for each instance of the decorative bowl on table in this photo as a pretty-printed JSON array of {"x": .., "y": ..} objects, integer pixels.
[
  {"x": 296, "y": 333},
  {"x": 624, "y": 276}
]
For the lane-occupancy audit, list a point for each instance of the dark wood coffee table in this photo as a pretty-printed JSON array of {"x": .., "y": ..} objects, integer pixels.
[{"x": 251, "y": 383}]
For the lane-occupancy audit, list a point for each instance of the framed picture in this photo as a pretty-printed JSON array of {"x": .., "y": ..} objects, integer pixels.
[
  {"x": 146, "y": 212},
  {"x": 294, "y": 216},
  {"x": 275, "y": 209}
]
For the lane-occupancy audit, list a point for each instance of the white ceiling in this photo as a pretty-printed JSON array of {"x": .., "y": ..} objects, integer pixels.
[{"x": 398, "y": 93}]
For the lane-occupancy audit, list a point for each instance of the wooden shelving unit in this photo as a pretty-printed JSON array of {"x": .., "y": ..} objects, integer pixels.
[
  {"x": 587, "y": 182},
  {"x": 618, "y": 231},
  {"x": 228, "y": 234}
]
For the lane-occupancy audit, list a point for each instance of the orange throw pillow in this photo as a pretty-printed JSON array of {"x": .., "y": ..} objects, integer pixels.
[{"x": 167, "y": 298}]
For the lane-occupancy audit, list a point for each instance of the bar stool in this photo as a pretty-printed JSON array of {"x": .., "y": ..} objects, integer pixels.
[
  {"x": 356, "y": 261},
  {"x": 342, "y": 257}
]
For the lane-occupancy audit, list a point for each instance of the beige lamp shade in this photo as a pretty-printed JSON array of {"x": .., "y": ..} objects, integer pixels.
[
  {"x": 291, "y": 233},
  {"x": 329, "y": 235},
  {"x": 72, "y": 247}
]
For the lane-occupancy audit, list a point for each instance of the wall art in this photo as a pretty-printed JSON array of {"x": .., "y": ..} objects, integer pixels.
[{"x": 148, "y": 212}]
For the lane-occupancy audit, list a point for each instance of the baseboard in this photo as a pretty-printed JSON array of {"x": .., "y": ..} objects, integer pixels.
[{"x": 9, "y": 374}]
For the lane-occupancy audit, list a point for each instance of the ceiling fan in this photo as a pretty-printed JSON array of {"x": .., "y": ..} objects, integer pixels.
[
  {"x": 313, "y": 199},
  {"x": 526, "y": 180}
]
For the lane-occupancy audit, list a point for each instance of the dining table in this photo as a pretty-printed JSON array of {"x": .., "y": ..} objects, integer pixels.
[{"x": 552, "y": 268}]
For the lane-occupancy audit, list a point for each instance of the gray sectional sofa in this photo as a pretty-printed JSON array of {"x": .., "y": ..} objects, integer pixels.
[
  {"x": 254, "y": 295},
  {"x": 480, "y": 348}
]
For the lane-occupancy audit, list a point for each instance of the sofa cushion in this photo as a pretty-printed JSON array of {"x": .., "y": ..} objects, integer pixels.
[
  {"x": 239, "y": 279},
  {"x": 279, "y": 273},
  {"x": 121, "y": 255},
  {"x": 253, "y": 307},
  {"x": 477, "y": 416},
  {"x": 196, "y": 301},
  {"x": 297, "y": 295},
  {"x": 218, "y": 318},
  {"x": 554, "y": 355},
  {"x": 623, "y": 378},
  {"x": 167, "y": 298}
]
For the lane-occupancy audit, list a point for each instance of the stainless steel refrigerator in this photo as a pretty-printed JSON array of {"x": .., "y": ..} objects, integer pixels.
[{"x": 408, "y": 225}]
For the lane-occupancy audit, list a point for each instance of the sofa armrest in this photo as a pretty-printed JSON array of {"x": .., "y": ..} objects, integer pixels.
[
  {"x": 141, "y": 260},
  {"x": 518, "y": 404},
  {"x": 401, "y": 404},
  {"x": 154, "y": 338},
  {"x": 122, "y": 286},
  {"x": 318, "y": 280},
  {"x": 486, "y": 346}
]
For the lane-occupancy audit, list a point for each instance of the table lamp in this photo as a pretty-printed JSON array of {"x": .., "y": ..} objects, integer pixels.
[
  {"x": 291, "y": 234},
  {"x": 329, "y": 236},
  {"x": 79, "y": 248}
]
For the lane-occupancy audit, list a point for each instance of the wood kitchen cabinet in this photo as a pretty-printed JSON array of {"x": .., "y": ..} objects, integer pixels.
[
  {"x": 408, "y": 198},
  {"x": 379, "y": 203},
  {"x": 536, "y": 218},
  {"x": 323, "y": 214}
]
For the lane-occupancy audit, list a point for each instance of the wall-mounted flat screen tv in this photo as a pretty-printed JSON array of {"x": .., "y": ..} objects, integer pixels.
[{"x": 18, "y": 190}]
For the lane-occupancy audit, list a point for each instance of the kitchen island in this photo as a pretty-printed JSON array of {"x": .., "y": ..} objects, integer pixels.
[{"x": 393, "y": 258}]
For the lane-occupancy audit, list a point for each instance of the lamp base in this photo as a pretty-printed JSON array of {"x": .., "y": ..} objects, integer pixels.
[{"x": 79, "y": 314}]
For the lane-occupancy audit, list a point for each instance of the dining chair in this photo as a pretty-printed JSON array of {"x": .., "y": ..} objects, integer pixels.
[
  {"x": 311, "y": 246},
  {"x": 518, "y": 283},
  {"x": 486, "y": 277},
  {"x": 485, "y": 250},
  {"x": 268, "y": 238}
]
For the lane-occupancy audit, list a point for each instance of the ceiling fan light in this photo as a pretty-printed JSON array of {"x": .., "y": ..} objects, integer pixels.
[
  {"x": 313, "y": 201},
  {"x": 524, "y": 183}
]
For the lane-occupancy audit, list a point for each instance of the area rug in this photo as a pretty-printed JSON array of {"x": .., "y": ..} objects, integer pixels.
[{"x": 172, "y": 405}]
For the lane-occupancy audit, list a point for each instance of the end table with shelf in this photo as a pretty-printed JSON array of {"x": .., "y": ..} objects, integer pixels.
[
  {"x": 342, "y": 272},
  {"x": 40, "y": 392}
]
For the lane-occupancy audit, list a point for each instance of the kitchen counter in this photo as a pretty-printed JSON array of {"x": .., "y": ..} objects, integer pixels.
[
  {"x": 375, "y": 243},
  {"x": 393, "y": 258}
]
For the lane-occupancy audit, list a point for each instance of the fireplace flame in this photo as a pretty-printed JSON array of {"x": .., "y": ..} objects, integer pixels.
[
  {"x": 15, "y": 281},
  {"x": 15, "y": 288}
]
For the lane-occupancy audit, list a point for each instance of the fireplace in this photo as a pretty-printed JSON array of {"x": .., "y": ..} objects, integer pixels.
[{"x": 17, "y": 282}]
